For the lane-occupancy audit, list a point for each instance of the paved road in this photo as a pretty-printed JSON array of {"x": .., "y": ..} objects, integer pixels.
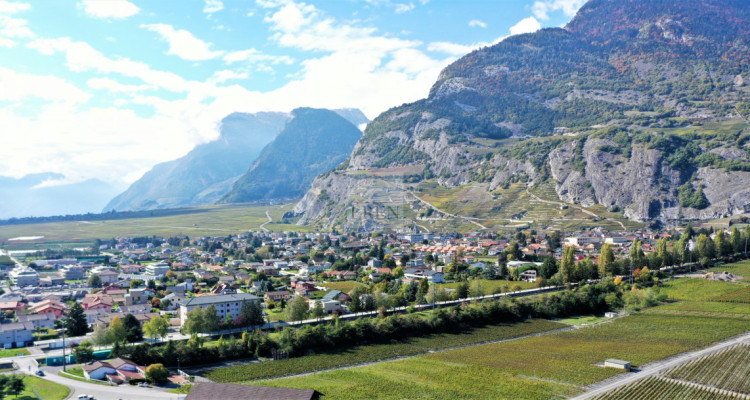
[
  {"x": 659, "y": 366},
  {"x": 100, "y": 392}
]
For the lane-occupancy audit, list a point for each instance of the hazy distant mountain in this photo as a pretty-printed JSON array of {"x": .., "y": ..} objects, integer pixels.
[
  {"x": 27, "y": 197},
  {"x": 312, "y": 142},
  {"x": 208, "y": 171}
]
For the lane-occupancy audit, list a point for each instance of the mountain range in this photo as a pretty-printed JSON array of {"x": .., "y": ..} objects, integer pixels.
[
  {"x": 208, "y": 173},
  {"x": 49, "y": 194},
  {"x": 634, "y": 111}
]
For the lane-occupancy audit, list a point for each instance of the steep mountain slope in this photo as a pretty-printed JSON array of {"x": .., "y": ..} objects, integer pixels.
[
  {"x": 312, "y": 142},
  {"x": 206, "y": 172},
  {"x": 31, "y": 196},
  {"x": 637, "y": 106}
]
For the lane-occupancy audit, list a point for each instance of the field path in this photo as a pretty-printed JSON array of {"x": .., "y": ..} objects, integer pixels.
[
  {"x": 263, "y": 225},
  {"x": 539, "y": 199},
  {"x": 656, "y": 367},
  {"x": 427, "y": 351}
]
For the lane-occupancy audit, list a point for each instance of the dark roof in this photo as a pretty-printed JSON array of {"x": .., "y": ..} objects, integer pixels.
[
  {"x": 208, "y": 300},
  {"x": 206, "y": 390},
  {"x": 333, "y": 294}
]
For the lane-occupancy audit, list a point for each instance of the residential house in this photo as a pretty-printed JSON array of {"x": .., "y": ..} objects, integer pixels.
[
  {"x": 98, "y": 300},
  {"x": 72, "y": 272},
  {"x": 11, "y": 305},
  {"x": 108, "y": 276},
  {"x": 95, "y": 313},
  {"x": 143, "y": 308},
  {"x": 132, "y": 269},
  {"x": 136, "y": 296},
  {"x": 44, "y": 321},
  {"x": 98, "y": 370},
  {"x": 328, "y": 305},
  {"x": 126, "y": 370},
  {"x": 417, "y": 274},
  {"x": 224, "y": 303},
  {"x": 337, "y": 295},
  {"x": 16, "y": 335},
  {"x": 277, "y": 295},
  {"x": 53, "y": 307}
]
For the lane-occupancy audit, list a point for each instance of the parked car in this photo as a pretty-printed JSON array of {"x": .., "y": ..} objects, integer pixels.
[{"x": 39, "y": 372}]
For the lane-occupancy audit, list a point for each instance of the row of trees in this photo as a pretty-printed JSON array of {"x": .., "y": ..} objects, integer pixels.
[{"x": 341, "y": 334}]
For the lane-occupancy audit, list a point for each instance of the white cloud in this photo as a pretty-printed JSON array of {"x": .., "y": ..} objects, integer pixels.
[
  {"x": 183, "y": 44},
  {"x": 212, "y": 6},
  {"x": 113, "y": 86},
  {"x": 525, "y": 25},
  {"x": 255, "y": 56},
  {"x": 109, "y": 8},
  {"x": 80, "y": 57},
  {"x": 18, "y": 86},
  {"x": 477, "y": 23},
  {"x": 12, "y": 7},
  {"x": 401, "y": 8},
  {"x": 542, "y": 8},
  {"x": 227, "y": 74},
  {"x": 292, "y": 17},
  {"x": 453, "y": 49}
]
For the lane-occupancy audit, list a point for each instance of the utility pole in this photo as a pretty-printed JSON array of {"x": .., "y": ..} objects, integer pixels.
[{"x": 63, "y": 335}]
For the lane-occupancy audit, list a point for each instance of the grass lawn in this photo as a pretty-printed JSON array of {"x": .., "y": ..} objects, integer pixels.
[
  {"x": 13, "y": 352},
  {"x": 583, "y": 320},
  {"x": 547, "y": 366},
  {"x": 47, "y": 390}
]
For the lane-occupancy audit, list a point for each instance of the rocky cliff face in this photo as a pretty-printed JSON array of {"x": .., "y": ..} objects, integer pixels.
[{"x": 629, "y": 104}]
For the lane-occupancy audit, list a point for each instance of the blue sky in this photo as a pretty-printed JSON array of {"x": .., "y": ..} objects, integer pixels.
[{"x": 107, "y": 88}]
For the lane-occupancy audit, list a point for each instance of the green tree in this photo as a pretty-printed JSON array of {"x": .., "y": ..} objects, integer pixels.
[
  {"x": 116, "y": 332},
  {"x": 158, "y": 326},
  {"x": 100, "y": 337},
  {"x": 606, "y": 261},
  {"x": 194, "y": 322},
  {"x": 722, "y": 246},
  {"x": 156, "y": 373},
  {"x": 252, "y": 313},
  {"x": 355, "y": 305},
  {"x": 424, "y": 287},
  {"x": 15, "y": 385},
  {"x": 84, "y": 352},
  {"x": 297, "y": 310},
  {"x": 133, "y": 328},
  {"x": 490, "y": 272},
  {"x": 637, "y": 258},
  {"x": 548, "y": 268},
  {"x": 76, "y": 324},
  {"x": 95, "y": 281},
  {"x": 736, "y": 239},
  {"x": 318, "y": 311},
  {"x": 462, "y": 290},
  {"x": 705, "y": 248},
  {"x": 568, "y": 264},
  {"x": 211, "y": 319}
]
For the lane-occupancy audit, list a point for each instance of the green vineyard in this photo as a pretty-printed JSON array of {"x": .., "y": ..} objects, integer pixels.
[
  {"x": 718, "y": 376},
  {"x": 655, "y": 388},
  {"x": 728, "y": 369}
]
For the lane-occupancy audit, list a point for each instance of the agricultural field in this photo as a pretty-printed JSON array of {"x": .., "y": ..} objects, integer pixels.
[
  {"x": 728, "y": 369},
  {"x": 695, "y": 289},
  {"x": 195, "y": 221},
  {"x": 738, "y": 296},
  {"x": 363, "y": 354},
  {"x": 660, "y": 388},
  {"x": 547, "y": 366}
]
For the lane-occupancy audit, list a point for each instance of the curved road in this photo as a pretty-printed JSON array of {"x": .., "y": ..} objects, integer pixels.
[{"x": 26, "y": 365}]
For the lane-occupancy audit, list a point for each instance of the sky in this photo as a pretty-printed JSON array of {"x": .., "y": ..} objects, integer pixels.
[{"x": 107, "y": 88}]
